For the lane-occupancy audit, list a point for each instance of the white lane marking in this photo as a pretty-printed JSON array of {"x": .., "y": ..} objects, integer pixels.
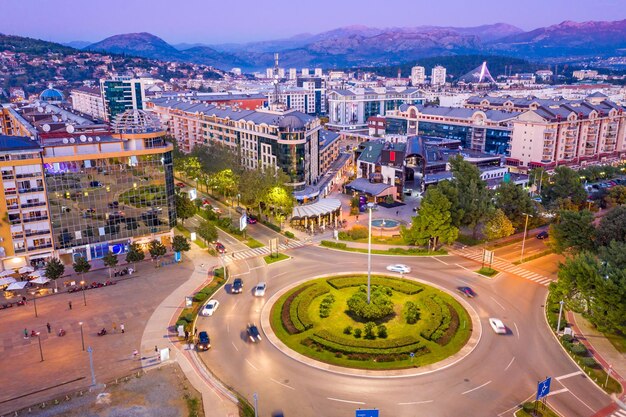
[
  {"x": 585, "y": 404},
  {"x": 559, "y": 378},
  {"x": 516, "y": 329},
  {"x": 284, "y": 385},
  {"x": 417, "y": 402},
  {"x": 227, "y": 327},
  {"x": 561, "y": 391},
  {"x": 467, "y": 269},
  {"x": 234, "y": 306},
  {"x": 515, "y": 407},
  {"x": 496, "y": 301},
  {"x": 235, "y": 346},
  {"x": 344, "y": 401},
  {"x": 250, "y": 363},
  {"x": 437, "y": 259},
  {"x": 478, "y": 387},
  {"x": 510, "y": 363}
]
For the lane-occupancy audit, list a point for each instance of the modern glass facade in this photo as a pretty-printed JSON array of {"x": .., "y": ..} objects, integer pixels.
[
  {"x": 98, "y": 201},
  {"x": 498, "y": 142},
  {"x": 447, "y": 131}
]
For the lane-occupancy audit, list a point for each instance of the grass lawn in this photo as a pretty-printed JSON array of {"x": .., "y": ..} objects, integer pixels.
[
  {"x": 390, "y": 251},
  {"x": 380, "y": 240},
  {"x": 541, "y": 412},
  {"x": 618, "y": 341},
  {"x": 396, "y": 327},
  {"x": 270, "y": 259},
  {"x": 486, "y": 271},
  {"x": 185, "y": 232},
  {"x": 535, "y": 256},
  {"x": 253, "y": 243}
]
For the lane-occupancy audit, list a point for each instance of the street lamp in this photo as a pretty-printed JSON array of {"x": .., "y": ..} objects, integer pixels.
[
  {"x": 82, "y": 283},
  {"x": 40, "y": 350},
  {"x": 558, "y": 324},
  {"x": 82, "y": 337},
  {"x": 256, "y": 404},
  {"x": 369, "y": 251},
  {"x": 93, "y": 374},
  {"x": 33, "y": 293},
  {"x": 524, "y": 238}
]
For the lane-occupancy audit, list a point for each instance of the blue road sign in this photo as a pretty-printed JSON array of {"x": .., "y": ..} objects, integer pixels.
[
  {"x": 177, "y": 256},
  {"x": 543, "y": 388},
  {"x": 366, "y": 413}
]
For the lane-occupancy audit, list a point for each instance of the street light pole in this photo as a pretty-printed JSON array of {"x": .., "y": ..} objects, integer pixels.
[
  {"x": 524, "y": 238},
  {"x": 35, "y": 303},
  {"x": 369, "y": 253},
  {"x": 40, "y": 349},
  {"x": 256, "y": 404},
  {"x": 82, "y": 337},
  {"x": 82, "y": 283},
  {"x": 558, "y": 324},
  {"x": 93, "y": 374}
]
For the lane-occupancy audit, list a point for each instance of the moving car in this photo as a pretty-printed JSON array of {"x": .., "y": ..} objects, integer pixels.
[
  {"x": 259, "y": 291},
  {"x": 497, "y": 325},
  {"x": 220, "y": 248},
  {"x": 253, "y": 333},
  {"x": 237, "y": 286},
  {"x": 204, "y": 343},
  {"x": 210, "y": 308},
  {"x": 408, "y": 192},
  {"x": 542, "y": 235},
  {"x": 401, "y": 268},
  {"x": 180, "y": 184},
  {"x": 466, "y": 291},
  {"x": 251, "y": 219}
]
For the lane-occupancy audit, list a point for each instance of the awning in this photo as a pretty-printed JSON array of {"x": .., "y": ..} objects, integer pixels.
[
  {"x": 321, "y": 207},
  {"x": 40, "y": 280},
  {"x": 371, "y": 188},
  {"x": 36, "y": 274},
  {"x": 17, "y": 286},
  {"x": 6, "y": 273},
  {"x": 25, "y": 269},
  {"x": 7, "y": 281}
]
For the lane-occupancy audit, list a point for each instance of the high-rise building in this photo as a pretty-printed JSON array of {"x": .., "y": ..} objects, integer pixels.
[
  {"x": 438, "y": 76},
  {"x": 418, "y": 76},
  {"x": 318, "y": 86},
  {"x": 293, "y": 73},
  {"x": 305, "y": 72},
  {"x": 121, "y": 93},
  {"x": 294, "y": 98},
  {"x": 318, "y": 72},
  {"x": 88, "y": 100}
]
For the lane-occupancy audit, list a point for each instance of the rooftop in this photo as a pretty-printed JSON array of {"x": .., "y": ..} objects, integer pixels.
[{"x": 17, "y": 143}]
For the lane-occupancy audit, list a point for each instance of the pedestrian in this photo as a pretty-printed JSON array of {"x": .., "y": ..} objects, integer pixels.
[
  {"x": 135, "y": 353},
  {"x": 24, "y": 299},
  {"x": 186, "y": 334},
  {"x": 69, "y": 303},
  {"x": 25, "y": 333},
  {"x": 49, "y": 327},
  {"x": 195, "y": 331},
  {"x": 114, "y": 327},
  {"x": 156, "y": 349},
  {"x": 397, "y": 212},
  {"x": 122, "y": 327}
]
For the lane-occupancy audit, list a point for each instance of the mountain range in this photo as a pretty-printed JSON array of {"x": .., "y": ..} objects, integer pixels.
[{"x": 357, "y": 46}]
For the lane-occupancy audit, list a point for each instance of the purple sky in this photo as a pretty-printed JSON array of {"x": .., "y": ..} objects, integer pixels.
[{"x": 219, "y": 21}]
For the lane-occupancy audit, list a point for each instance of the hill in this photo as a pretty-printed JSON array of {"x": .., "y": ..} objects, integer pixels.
[{"x": 32, "y": 46}]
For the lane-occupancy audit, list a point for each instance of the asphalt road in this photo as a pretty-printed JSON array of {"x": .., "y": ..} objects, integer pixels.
[
  {"x": 513, "y": 251},
  {"x": 499, "y": 374}
]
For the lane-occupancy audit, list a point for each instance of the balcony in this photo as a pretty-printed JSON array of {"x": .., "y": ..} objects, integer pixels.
[
  {"x": 34, "y": 219},
  {"x": 30, "y": 233},
  {"x": 17, "y": 235},
  {"x": 15, "y": 221},
  {"x": 10, "y": 191},
  {"x": 20, "y": 250},
  {"x": 38, "y": 247},
  {"x": 13, "y": 207},
  {"x": 7, "y": 175},
  {"x": 35, "y": 204},
  {"x": 30, "y": 190},
  {"x": 29, "y": 175}
]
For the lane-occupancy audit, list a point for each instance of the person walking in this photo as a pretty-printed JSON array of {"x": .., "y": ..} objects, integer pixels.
[
  {"x": 156, "y": 349},
  {"x": 49, "y": 327},
  {"x": 25, "y": 333},
  {"x": 69, "y": 304},
  {"x": 135, "y": 353},
  {"x": 114, "y": 327},
  {"x": 122, "y": 327}
]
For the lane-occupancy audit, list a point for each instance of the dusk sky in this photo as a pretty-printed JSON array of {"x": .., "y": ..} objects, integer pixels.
[{"x": 211, "y": 22}]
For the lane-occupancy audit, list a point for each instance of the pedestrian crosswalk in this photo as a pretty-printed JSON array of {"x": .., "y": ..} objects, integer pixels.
[
  {"x": 264, "y": 251},
  {"x": 618, "y": 413},
  {"x": 502, "y": 265}
]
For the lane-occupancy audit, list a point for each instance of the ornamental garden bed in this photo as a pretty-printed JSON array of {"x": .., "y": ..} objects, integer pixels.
[{"x": 406, "y": 324}]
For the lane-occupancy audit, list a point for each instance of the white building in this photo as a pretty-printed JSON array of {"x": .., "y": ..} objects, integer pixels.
[
  {"x": 438, "y": 75},
  {"x": 305, "y": 72},
  {"x": 88, "y": 100},
  {"x": 318, "y": 72},
  {"x": 418, "y": 76},
  {"x": 295, "y": 98},
  {"x": 293, "y": 73},
  {"x": 236, "y": 71}
]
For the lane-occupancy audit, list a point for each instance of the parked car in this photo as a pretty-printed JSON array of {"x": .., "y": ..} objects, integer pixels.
[
  {"x": 401, "y": 268},
  {"x": 180, "y": 184},
  {"x": 220, "y": 248},
  {"x": 497, "y": 325},
  {"x": 237, "y": 287},
  {"x": 96, "y": 184},
  {"x": 210, "y": 308},
  {"x": 204, "y": 343},
  {"x": 408, "y": 192},
  {"x": 542, "y": 235},
  {"x": 259, "y": 290},
  {"x": 252, "y": 219},
  {"x": 253, "y": 333},
  {"x": 466, "y": 291}
]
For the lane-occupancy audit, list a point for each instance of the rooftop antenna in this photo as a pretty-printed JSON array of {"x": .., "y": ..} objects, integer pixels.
[{"x": 277, "y": 102}]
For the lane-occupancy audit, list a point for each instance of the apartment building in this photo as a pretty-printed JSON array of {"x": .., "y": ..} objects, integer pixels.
[
  {"x": 89, "y": 101},
  {"x": 418, "y": 76},
  {"x": 121, "y": 93},
  {"x": 438, "y": 76},
  {"x": 295, "y": 98}
]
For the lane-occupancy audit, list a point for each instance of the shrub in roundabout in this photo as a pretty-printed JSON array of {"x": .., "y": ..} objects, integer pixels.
[{"x": 380, "y": 305}]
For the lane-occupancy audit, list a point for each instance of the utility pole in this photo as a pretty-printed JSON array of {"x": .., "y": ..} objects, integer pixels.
[
  {"x": 369, "y": 252},
  {"x": 558, "y": 324},
  {"x": 93, "y": 374},
  {"x": 521, "y": 258}
]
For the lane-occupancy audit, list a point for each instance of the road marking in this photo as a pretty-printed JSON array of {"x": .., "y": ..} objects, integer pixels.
[
  {"x": 284, "y": 385},
  {"x": 437, "y": 259},
  {"x": 474, "y": 389},
  {"x": 417, "y": 402},
  {"x": 234, "y": 306},
  {"x": 344, "y": 401},
  {"x": 559, "y": 378},
  {"x": 235, "y": 346},
  {"x": 561, "y": 391},
  {"x": 516, "y": 329},
  {"x": 496, "y": 301},
  {"x": 227, "y": 327},
  {"x": 462, "y": 267},
  {"x": 510, "y": 363},
  {"x": 250, "y": 363},
  {"x": 585, "y": 404}
]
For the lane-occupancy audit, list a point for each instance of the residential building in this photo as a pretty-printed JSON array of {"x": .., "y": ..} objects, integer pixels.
[
  {"x": 318, "y": 72},
  {"x": 438, "y": 76},
  {"x": 329, "y": 148},
  {"x": 286, "y": 140},
  {"x": 88, "y": 100},
  {"x": 121, "y": 93},
  {"x": 238, "y": 99},
  {"x": 269, "y": 73},
  {"x": 236, "y": 71},
  {"x": 349, "y": 109},
  {"x": 318, "y": 86},
  {"x": 418, "y": 76},
  {"x": 584, "y": 74},
  {"x": 293, "y": 73},
  {"x": 305, "y": 72},
  {"x": 295, "y": 98}
]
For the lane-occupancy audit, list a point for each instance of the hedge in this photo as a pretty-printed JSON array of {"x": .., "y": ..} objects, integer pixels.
[
  {"x": 339, "y": 347},
  {"x": 301, "y": 305},
  {"x": 289, "y": 312},
  {"x": 440, "y": 318},
  {"x": 400, "y": 285},
  {"x": 271, "y": 226},
  {"x": 578, "y": 349},
  {"x": 289, "y": 234},
  {"x": 371, "y": 344},
  {"x": 331, "y": 244}
]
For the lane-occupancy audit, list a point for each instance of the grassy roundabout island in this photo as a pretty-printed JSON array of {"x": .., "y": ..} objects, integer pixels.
[{"x": 406, "y": 324}]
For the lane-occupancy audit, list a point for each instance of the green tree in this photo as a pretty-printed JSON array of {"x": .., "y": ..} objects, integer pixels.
[
  {"x": 135, "y": 254},
  {"x": 614, "y": 254},
  {"x": 54, "y": 269},
  {"x": 474, "y": 196},
  {"x": 225, "y": 182},
  {"x": 448, "y": 189},
  {"x": 564, "y": 188},
  {"x": 515, "y": 202},
  {"x": 110, "y": 261},
  {"x": 433, "y": 222},
  {"x": 180, "y": 244},
  {"x": 573, "y": 231},
  {"x": 192, "y": 167},
  {"x": 498, "y": 226},
  {"x": 156, "y": 249},
  {"x": 81, "y": 266},
  {"x": 185, "y": 208},
  {"x": 354, "y": 205},
  {"x": 207, "y": 231},
  {"x": 280, "y": 199},
  {"x": 612, "y": 226},
  {"x": 616, "y": 196}
]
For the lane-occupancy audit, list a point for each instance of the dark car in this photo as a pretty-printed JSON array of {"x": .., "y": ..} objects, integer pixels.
[
  {"x": 220, "y": 248},
  {"x": 237, "y": 287},
  {"x": 114, "y": 204},
  {"x": 204, "y": 343},
  {"x": 542, "y": 235},
  {"x": 252, "y": 219},
  {"x": 95, "y": 184},
  {"x": 253, "y": 333},
  {"x": 466, "y": 291}
]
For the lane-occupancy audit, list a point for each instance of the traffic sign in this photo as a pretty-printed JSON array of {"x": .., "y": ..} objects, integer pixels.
[
  {"x": 243, "y": 222},
  {"x": 366, "y": 413},
  {"x": 543, "y": 388}
]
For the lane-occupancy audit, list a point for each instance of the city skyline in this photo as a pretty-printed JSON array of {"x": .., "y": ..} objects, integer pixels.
[{"x": 201, "y": 23}]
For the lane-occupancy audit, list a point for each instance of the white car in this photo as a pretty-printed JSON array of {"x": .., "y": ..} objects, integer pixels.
[
  {"x": 210, "y": 308},
  {"x": 497, "y": 325},
  {"x": 401, "y": 268},
  {"x": 259, "y": 290}
]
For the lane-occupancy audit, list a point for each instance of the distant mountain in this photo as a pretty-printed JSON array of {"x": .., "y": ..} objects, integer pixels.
[
  {"x": 31, "y": 46},
  {"x": 140, "y": 44},
  {"x": 183, "y": 46},
  {"x": 77, "y": 44}
]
